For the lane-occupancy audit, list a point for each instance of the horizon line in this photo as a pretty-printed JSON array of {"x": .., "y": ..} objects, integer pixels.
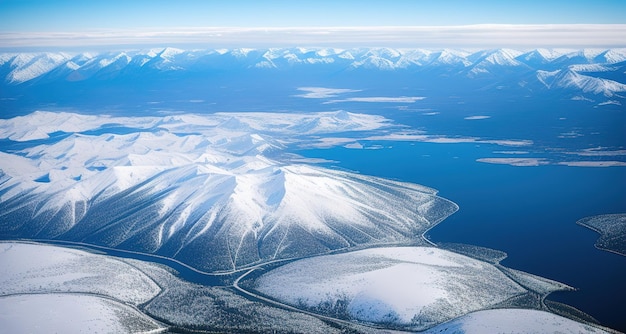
[{"x": 450, "y": 36}]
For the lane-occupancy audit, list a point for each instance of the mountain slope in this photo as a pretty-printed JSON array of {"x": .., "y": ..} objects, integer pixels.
[
  {"x": 180, "y": 186},
  {"x": 570, "y": 79}
]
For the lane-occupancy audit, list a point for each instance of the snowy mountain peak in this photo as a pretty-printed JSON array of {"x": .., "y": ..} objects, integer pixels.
[
  {"x": 511, "y": 64},
  {"x": 500, "y": 57},
  {"x": 185, "y": 185},
  {"x": 611, "y": 56},
  {"x": 30, "y": 66},
  {"x": 170, "y": 52},
  {"x": 570, "y": 79},
  {"x": 450, "y": 57},
  {"x": 504, "y": 57}
]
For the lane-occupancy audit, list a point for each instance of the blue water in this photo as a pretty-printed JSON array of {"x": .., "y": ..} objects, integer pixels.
[{"x": 528, "y": 212}]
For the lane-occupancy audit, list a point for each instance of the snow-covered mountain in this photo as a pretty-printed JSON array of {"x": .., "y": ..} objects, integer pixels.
[
  {"x": 506, "y": 64},
  {"x": 201, "y": 189},
  {"x": 573, "y": 80}
]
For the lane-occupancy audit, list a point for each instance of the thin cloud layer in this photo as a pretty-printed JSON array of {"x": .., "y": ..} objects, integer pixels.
[
  {"x": 477, "y": 117},
  {"x": 470, "y": 36},
  {"x": 519, "y": 162},
  {"x": 380, "y": 99},
  {"x": 323, "y": 93}
]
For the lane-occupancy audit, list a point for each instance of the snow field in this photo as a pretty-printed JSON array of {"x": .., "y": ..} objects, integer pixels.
[
  {"x": 514, "y": 321},
  {"x": 50, "y": 289},
  {"x": 412, "y": 287},
  {"x": 71, "y": 313},
  {"x": 34, "y": 268}
]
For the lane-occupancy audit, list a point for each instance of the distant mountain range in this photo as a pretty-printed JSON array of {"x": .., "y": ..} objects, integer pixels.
[{"x": 598, "y": 72}]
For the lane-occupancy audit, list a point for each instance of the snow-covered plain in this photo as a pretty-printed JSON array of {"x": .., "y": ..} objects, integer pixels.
[
  {"x": 35, "y": 268},
  {"x": 71, "y": 313},
  {"x": 388, "y": 280},
  {"x": 54, "y": 289},
  {"x": 47, "y": 289},
  {"x": 514, "y": 321},
  {"x": 411, "y": 287}
]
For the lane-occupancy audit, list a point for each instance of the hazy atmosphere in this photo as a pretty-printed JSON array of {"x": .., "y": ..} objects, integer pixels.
[{"x": 475, "y": 24}]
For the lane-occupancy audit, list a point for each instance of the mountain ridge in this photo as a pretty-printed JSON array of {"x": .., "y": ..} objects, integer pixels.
[
  {"x": 184, "y": 185},
  {"x": 19, "y": 68}
]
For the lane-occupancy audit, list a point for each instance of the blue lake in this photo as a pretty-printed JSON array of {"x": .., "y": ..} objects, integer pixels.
[{"x": 528, "y": 212}]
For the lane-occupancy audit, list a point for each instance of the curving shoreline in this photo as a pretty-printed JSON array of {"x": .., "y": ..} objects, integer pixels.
[
  {"x": 612, "y": 230},
  {"x": 174, "y": 288}
]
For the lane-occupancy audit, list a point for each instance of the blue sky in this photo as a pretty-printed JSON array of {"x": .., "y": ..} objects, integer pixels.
[{"x": 30, "y": 19}]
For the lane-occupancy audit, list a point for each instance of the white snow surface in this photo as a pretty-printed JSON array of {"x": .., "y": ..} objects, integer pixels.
[
  {"x": 51, "y": 289},
  {"x": 71, "y": 313},
  {"x": 513, "y": 321},
  {"x": 515, "y": 161},
  {"x": 409, "y": 286},
  {"x": 36, "y": 268},
  {"x": 323, "y": 92},
  {"x": 40, "y": 124}
]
